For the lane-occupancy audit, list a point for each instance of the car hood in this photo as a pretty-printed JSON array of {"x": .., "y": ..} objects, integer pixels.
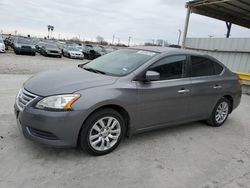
[
  {"x": 64, "y": 81},
  {"x": 53, "y": 49}
]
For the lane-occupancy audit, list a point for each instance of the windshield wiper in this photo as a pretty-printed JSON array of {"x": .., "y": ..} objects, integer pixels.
[{"x": 93, "y": 70}]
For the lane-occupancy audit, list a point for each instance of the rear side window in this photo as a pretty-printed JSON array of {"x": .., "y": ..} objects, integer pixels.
[
  {"x": 201, "y": 66},
  {"x": 171, "y": 67}
]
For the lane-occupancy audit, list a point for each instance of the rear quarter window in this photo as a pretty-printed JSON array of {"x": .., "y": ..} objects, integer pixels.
[{"x": 202, "y": 66}]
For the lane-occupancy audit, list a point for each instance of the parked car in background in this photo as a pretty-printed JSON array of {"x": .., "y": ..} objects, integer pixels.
[
  {"x": 24, "y": 45},
  {"x": 50, "y": 49},
  {"x": 8, "y": 41},
  {"x": 100, "y": 49},
  {"x": 110, "y": 49},
  {"x": 38, "y": 46},
  {"x": 72, "y": 52},
  {"x": 123, "y": 93},
  {"x": 89, "y": 52},
  {"x": 2, "y": 45}
]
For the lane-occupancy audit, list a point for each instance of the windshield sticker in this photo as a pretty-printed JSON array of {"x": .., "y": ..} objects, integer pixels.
[{"x": 146, "y": 53}]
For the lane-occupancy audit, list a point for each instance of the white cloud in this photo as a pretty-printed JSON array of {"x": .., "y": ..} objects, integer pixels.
[{"x": 143, "y": 20}]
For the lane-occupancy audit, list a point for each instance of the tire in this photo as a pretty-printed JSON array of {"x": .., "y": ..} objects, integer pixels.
[
  {"x": 220, "y": 113},
  {"x": 60, "y": 56},
  {"x": 100, "y": 138}
]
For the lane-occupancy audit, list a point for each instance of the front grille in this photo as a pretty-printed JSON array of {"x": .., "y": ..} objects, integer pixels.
[
  {"x": 26, "y": 47},
  {"x": 53, "y": 51},
  {"x": 24, "y": 98}
]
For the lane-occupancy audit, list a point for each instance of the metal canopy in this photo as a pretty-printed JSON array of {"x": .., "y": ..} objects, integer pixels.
[
  {"x": 230, "y": 11},
  {"x": 234, "y": 11}
]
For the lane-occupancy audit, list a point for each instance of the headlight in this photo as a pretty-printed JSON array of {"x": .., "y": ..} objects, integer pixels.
[{"x": 58, "y": 102}]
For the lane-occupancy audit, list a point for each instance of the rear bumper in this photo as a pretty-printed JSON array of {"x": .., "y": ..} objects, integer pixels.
[
  {"x": 237, "y": 99},
  {"x": 57, "y": 129}
]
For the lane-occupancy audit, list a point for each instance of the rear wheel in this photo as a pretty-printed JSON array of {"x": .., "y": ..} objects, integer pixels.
[
  {"x": 220, "y": 113},
  {"x": 102, "y": 132}
]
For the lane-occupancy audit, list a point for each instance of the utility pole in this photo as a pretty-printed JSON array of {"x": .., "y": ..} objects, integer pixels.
[
  {"x": 179, "y": 38},
  {"x": 113, "y": 38},
  {"x": 129, "y": 38}
]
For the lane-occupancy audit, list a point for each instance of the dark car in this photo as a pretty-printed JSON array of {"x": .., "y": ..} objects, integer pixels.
[
  {"x": 90, "y": 52},
  {"x": 24, "y": 45},
  {"x": 39, "y": 45},
  {"x": 50, "y": 49},
  {"x": 122, "y": 93}
]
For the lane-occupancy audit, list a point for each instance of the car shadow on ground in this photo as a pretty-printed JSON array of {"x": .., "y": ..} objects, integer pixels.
[{"x": 40, "y": 150}]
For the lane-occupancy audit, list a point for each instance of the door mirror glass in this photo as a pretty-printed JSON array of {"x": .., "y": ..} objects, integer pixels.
[{"x": 152, "y": 76}]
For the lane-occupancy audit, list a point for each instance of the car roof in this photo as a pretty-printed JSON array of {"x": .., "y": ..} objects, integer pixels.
[{"x": 160, "y": 49}]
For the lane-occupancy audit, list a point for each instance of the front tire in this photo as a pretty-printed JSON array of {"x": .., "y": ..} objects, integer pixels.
[
  {"x": 102, "y": 132},
  {"x": 220, "y": 113}
]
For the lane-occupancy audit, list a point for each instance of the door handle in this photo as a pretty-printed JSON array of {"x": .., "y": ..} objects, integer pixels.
[
  {"x": 183, "y": 91},
  {"x": 217, "y": 87}
]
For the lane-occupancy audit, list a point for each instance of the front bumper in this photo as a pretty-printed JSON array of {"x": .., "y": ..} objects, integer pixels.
[
  {"x": 2, "y": 49},
  {"x": 25, "y": 50},
  {"x": 57, "y": 129},
  {"x": 75, "y": 56},
  {"x": 53, "y": 53}
]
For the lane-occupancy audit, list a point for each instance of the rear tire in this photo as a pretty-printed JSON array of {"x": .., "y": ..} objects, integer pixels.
[
  {"x": 102, "y": 132},
  {"x": 220, "y": 113}
]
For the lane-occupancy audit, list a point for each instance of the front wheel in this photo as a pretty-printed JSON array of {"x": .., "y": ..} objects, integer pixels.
[
  {"x": 102, "y": 132},
  {"x": 220, "y": 113}
]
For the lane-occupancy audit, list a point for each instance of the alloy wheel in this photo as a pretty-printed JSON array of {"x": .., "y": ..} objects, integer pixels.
[
  {"x": 105, "y": 133},
  {"x": 221, "y": 112}
]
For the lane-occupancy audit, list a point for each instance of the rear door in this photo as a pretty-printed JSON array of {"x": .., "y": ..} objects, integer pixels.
[
  {"x": 165, "y": 100},
  {"x": 206, "y": 86}
]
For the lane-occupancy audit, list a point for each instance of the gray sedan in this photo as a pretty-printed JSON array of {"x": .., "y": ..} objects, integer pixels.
[
  {"x": 50, "y": 49},
  {"x": 122, "y": 93}
]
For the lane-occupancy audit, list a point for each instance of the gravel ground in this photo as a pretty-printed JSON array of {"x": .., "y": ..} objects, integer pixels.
[
  {"x": 23, "y": 64},
  {"x": 192, "y": 155}
]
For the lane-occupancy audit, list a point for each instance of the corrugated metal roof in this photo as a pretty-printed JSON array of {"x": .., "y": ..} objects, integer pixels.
[{"x": 234, "y": 11}]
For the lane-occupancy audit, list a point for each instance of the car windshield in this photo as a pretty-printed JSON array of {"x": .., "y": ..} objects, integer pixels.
[
  {"x": 24, "y": 41},
  {"x": 120, "y": 62},
  {"x": 1, "y": 40}
]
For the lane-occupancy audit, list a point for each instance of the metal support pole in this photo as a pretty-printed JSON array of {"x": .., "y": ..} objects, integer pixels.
[
  {"x": 229, "y": 25},
  {"x": 179, "y": 37},
  {"x": 186, "y": 27}
]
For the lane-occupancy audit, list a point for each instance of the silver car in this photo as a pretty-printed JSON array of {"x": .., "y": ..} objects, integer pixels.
[
  {"x": 2, "y": 45},
  {"x": 125, "y": 92}
]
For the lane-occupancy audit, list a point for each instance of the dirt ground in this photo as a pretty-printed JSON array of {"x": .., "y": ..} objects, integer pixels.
[{"x": 187, "y": 156}]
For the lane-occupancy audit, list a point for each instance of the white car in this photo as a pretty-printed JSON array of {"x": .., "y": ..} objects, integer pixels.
[
  {"x": 2, "y": 45},
  {"x": 72, "y": 52}
]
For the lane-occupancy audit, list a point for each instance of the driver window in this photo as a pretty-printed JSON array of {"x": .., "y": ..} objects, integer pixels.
[{"x": 172, "y": 67}]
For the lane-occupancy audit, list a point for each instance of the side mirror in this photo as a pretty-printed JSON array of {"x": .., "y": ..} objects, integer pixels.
[{"x": 152, "y": 76}]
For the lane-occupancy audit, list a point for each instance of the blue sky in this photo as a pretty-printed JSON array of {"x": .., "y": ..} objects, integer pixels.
[{"x": 140, "y": 19}]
